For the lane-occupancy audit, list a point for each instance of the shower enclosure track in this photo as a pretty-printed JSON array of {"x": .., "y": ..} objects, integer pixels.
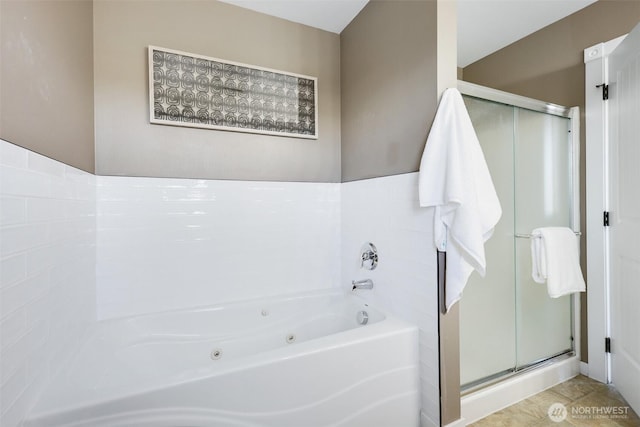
[{"x": 509, "y": 373}]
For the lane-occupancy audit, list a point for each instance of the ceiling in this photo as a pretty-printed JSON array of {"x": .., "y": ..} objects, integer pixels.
[
  {"x": 484, "y": 26},
  {"x": 328, "y": 15}
]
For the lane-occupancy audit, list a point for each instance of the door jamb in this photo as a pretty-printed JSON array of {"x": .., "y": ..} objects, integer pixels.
[{"x": 597, "y": 202}]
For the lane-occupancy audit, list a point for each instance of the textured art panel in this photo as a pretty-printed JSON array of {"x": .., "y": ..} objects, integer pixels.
[{"x": 197, "y": 91}]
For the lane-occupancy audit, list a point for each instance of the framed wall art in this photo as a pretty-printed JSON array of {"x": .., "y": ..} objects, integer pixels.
[{"x": 192, "y": 90}]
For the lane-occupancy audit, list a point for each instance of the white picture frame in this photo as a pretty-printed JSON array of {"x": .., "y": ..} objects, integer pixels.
[{"x": 191, "y": 90}]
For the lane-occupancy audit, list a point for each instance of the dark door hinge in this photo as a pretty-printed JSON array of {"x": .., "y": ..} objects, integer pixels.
[
  {"x": 605, "y": 218},
  {"x": 607, "y": 345},
  {"x": 605, "y": 91}
]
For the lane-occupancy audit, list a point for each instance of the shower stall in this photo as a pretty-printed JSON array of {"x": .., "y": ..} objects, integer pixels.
[{"x": 508, "y": 323}]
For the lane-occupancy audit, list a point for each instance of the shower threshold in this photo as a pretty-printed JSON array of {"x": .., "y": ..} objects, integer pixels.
[{"x": 490, "y": 380}]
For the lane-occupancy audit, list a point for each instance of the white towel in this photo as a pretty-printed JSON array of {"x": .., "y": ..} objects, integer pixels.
[
  {"x": 455, "y": 180},
  {"x": 555, "y": 259}
]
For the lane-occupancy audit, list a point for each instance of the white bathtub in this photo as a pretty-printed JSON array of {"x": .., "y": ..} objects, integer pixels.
[{"x": 299, "y": 360}]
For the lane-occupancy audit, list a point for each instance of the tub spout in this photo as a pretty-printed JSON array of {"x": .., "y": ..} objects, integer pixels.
[{"x": 362, "y": 284}]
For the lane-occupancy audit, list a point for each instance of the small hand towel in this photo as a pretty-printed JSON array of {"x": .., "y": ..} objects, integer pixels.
[
  {"x": 555, "y": 259},
  {"x": 455, "y": 180}
]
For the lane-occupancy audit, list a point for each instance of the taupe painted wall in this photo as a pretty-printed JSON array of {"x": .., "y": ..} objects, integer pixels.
[
  {"x": 46, "y": 78},
  {"x": 389, "y": 95},
  {"x": 126, "y": 144},
  {"x": 449, "y": 322},
  {"x": 548, "y": 65}
]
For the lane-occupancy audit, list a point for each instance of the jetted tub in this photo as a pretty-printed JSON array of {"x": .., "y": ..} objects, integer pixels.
[{"x": 301, "y": 360}]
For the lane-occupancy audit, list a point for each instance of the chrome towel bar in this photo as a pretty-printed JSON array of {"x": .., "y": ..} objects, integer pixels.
[{"x": 530, "y": 236}]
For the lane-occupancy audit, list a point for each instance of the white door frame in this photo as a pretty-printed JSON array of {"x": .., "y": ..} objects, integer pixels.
[{"x": 597, "y": 202}]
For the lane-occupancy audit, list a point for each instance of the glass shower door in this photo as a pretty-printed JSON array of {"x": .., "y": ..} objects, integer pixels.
[
  {"x": 508, "y": 322},
  {"x": 543, "y": 198},
  {"x": 487, "y": 311}
]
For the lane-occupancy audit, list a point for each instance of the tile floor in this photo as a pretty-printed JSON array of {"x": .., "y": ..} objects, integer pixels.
[{"x": 586, "y": 403}]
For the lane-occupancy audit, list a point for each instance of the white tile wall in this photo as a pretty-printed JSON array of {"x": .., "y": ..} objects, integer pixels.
[
  {"x": 385, "y": 211},
  {"x": 172, "y": 243},
  {"x": 75, "y": 248},
  {"x": 47, "y": 271}
]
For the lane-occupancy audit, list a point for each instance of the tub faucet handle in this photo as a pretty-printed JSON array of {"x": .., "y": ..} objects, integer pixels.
[
  {"x": 362, "y": 284},
  {"x": 368, "y": 256}
]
